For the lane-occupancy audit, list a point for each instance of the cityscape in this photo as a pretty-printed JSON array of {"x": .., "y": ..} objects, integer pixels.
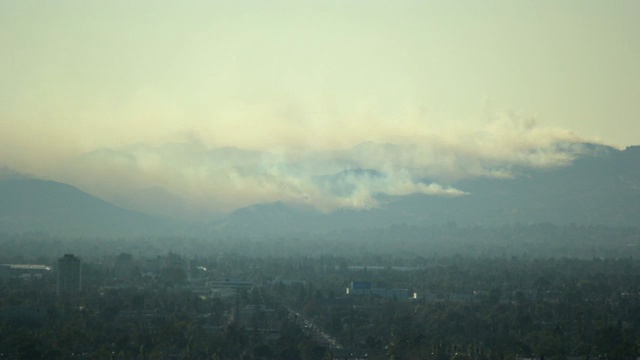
[
  {"x": 237, "y": 303},
  {"x": 320, "y": 180}
]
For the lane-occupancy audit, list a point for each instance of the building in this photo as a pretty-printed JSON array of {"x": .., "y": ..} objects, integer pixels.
[
  {"x": 24, "y": 271},
  {"x": 228, "y": 288},
  {"x": 231, "y": 284},
  {"x": 359, "y": 288},
  {"x": 123, "y": 267},
  {"x": 69, "y": 275}
]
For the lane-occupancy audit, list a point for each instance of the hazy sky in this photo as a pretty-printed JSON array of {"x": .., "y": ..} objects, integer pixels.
[{"x": 226, "y": 104}]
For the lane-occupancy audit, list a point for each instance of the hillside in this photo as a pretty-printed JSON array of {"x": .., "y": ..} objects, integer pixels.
[
  {"x": 32, "y": 205},
  {"x": 602, "y": 188}
]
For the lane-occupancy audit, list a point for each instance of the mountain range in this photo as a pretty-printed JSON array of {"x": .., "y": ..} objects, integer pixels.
[{"x": 602, "y": 187}]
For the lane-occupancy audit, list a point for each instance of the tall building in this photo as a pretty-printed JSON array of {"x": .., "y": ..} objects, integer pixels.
[{"x": 69, "y": 275}]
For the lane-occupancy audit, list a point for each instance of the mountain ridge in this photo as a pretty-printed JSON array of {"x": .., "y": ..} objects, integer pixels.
[
  {"x": 30, "y": 204},
  {"x": 601, "y": 187}
]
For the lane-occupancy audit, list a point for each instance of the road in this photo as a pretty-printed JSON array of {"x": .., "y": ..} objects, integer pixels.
[{"x": 312, "y": 329}]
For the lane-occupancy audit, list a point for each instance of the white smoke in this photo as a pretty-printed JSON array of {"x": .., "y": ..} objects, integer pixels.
[{"x": 223, "y": 179}]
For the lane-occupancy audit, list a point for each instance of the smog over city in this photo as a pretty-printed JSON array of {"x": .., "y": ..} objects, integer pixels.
[{"x": 320, "y": 180}]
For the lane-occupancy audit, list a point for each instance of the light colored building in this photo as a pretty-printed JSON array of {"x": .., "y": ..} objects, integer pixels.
[
  {"x": 24, "y": 270},
  {"x": 364, "y": 288}
]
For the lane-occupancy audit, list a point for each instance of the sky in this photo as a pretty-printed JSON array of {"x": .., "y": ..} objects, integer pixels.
[{"x": 210, "y": 106}]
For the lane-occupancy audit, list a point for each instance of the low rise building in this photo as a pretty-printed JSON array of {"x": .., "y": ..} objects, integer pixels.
[{"x": 362, "y": 288}]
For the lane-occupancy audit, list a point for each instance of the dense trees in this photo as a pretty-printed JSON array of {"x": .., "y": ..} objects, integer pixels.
[
  {"x": 381, "y": 246},
  {"x": 553, "y": 307},
  {"x": 486, "y": 294}
]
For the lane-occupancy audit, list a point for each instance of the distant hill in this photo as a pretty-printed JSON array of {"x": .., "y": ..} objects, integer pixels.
[
  {"x": 602, "y": 188},
  {"x": 10, "y": 174},
  {"x": 32, "y": 205}
]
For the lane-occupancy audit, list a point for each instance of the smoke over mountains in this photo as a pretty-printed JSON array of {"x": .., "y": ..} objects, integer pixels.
[
  {"x": 187, "y": 177},
  {"x": 564, "y": 183}
]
